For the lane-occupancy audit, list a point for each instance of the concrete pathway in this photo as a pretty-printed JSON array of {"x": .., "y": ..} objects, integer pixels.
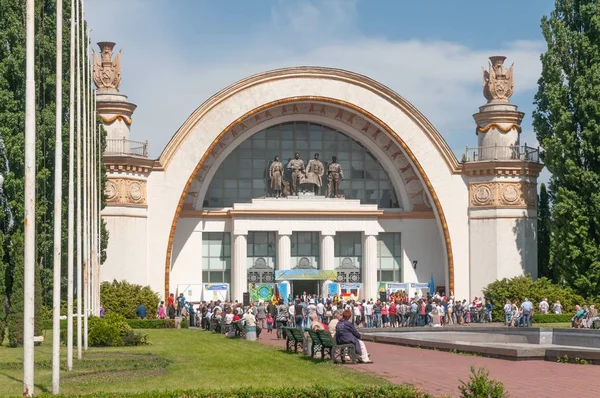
[{"x": 438, "y": 373}]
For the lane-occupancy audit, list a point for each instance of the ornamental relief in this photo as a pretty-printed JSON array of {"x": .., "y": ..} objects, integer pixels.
[
  {"x": 125, "y": 191},
  {"x": 503, "y": 194},
  {"x": 418, "y": 196}
]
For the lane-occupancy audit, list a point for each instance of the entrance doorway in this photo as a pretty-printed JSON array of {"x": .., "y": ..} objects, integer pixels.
[{"x": 310, "y": 287}]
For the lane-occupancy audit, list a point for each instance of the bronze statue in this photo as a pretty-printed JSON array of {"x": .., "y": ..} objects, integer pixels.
[
  {"x": 276, "y": 176},
  {"x": 314, "y": 173},
  {"x": 297, "y": 167},
  {"x": 335, "y": 175}
]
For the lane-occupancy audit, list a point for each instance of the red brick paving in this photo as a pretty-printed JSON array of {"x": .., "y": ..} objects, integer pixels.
[{"x": 438, "y": 372}]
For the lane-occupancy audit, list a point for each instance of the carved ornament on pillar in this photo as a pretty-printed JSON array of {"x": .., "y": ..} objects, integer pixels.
[
  {"x": 498, "y": 83},
  {"x": 125, "y": 191},
  {"x": 503, "y": 194},
  {"x": 107, "y": 72}
]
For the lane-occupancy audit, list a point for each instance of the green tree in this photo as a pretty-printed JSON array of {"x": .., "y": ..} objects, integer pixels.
[
  {"x": 567, "y": 124},
  {"x": 543, "y": 226},
  {"x": 12, "y": 120}
]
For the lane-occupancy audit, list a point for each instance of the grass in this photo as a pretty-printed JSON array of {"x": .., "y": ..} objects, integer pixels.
[{"x": 177, "y": 359}]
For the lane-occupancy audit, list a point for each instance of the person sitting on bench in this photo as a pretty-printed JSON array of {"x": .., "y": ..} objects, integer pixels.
[{"x": 346, "y": 334}]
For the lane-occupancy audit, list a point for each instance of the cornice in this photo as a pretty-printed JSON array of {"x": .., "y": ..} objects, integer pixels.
[
  {"x": 137, "y": 164},
  {"x": 502, "y": 168},
  {"x": 380, "y": 214}
]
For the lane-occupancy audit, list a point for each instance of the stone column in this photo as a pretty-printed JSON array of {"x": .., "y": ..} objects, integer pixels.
[
  {"x": 238, "y": 267},
  {"x": 327, "y": 257},
  {"x": 369, "y": 270},
  {"x": 284, "y": 251}
]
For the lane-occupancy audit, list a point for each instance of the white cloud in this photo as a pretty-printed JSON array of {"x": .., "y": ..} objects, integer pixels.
[{"x": 442, "y": 79}]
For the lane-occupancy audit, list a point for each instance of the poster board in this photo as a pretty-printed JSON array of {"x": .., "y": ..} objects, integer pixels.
[
  {"x": 333, "y": 289},
  {"x": 192, "y": 293},
  {"x": 260, "y": 291},
  {"x": 350, "y": 291},
  {"x": 215, "y": 291},
  {"x": 284, "y": 290}
]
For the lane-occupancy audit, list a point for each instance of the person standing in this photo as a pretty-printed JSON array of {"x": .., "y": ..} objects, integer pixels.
[
  {"x": 261, "y": 315},
  {"x": 368, "y": 308},
  {"x": 557, "y": 308},
  {"x": 544, "y": 306},
  {"x": 526, "y": 307},
  {"x": 507, "y": 312},
  {"x": 282, "y": 317},
  {"x": 101, "y": 311},
  {"x": 299, "y": 314}
]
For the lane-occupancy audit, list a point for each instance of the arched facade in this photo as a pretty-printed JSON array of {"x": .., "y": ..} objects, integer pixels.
[{"x": 430, "y": 222}]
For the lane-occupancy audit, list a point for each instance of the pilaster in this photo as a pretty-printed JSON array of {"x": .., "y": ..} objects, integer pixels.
[
  {"x": 369, "y": 271},
  {"x": 238, "y": 267},
  {"x": 284, "y": 251},
  {"x": 327, "y": 257}
]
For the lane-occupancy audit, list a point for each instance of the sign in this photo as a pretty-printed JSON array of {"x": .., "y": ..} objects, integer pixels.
[
  {"x": 333, "y": 289},
  {"x": 284, "y": 290},
  {"x": 350, "y": 291},
  {"x": 260, "y": 291},
  {"x": 215, "y": 291},
  {"x": 192, "y": 293},
  {"x": 305, "y": 274}
]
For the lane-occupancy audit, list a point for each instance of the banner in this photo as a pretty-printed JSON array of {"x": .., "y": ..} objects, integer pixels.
[
  {"x": 192, "y": 293},
  {"x": 333, "y": 289},
  {"x": 215, "y": 291},
  {"x": 284, "y": 290},
  {"x": 260, "y": 291},
  {"x": 394, "y": 287},
  {"x": 350, "y": 291},
  {"x": 305, "y": 274}
]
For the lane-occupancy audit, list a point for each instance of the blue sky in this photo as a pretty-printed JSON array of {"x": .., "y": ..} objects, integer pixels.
[{"x": 177, "y": 53}]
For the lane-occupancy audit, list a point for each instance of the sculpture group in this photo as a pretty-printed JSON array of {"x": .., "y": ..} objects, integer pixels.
[{"x": 300, "y": 176}]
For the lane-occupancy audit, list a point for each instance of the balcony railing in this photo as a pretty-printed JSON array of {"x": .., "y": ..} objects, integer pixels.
[
  {"x": 521, "y": 153},
  {"x": 123, "y": 147}
]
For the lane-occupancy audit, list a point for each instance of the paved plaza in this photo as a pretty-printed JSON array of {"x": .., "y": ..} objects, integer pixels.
[{"x": 438, "y": 372}]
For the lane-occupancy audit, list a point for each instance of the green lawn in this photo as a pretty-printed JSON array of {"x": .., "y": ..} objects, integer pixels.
[{"x": 178, "y": 359}]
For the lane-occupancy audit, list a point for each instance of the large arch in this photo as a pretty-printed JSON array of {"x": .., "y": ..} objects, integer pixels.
[{"x": 397, "y": 119}]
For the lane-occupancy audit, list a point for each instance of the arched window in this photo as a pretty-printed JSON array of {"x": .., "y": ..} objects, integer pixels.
[{"x": 244, "y": 173}]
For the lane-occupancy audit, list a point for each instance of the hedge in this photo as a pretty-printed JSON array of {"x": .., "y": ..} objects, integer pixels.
[
  {"x": 133, "y": 323},
  {"x": 552, "y": 318},
  {"x": 310, "y": 392}
]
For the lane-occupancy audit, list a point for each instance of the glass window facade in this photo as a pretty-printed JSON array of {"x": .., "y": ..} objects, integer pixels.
[
  {"x": 389, "y": 257},
  {"x": 244, "y": 173},
  {"x": 262, "y": 251},
  {"x": 305, "y": 249},
  {"x": 348, "y": 256},
  {"x": 216, "y": 257}
]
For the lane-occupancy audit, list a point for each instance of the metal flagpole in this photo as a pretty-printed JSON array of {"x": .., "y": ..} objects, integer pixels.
[
  {"x": 29, "y": 259},
  {"x": 95, "y": 305},
  {"x": 71, "y": 215},
  {"x": 91, "y": 186},
  {"x": 79, "y": 202},
  {"x": 57, "y": 206},
  {"x": 86, "y": 263}
]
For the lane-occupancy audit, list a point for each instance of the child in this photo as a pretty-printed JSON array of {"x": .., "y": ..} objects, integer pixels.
[{"x": 269, "y": 323}]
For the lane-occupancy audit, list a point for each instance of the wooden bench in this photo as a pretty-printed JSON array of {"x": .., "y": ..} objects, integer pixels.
[
  {"x": 239, "y": 329},
  {"x": 316, "y": 345},
  {"x": 331, "y": 348},
  {"x": 293, "y": 337}
]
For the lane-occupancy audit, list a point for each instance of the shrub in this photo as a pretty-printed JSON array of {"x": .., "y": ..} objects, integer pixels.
[
  {"x": 480, "y": 386},
  {"x": 123, "y": 298},
  {"x": 185, "y": 323},
  {"x": 552, "y": 318},
  {"x": 103, "y": 334},
  {"x": 522, "y": 287},
  {"x": 118, "y": 321},
  {"x": 132, "y": 338}
]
